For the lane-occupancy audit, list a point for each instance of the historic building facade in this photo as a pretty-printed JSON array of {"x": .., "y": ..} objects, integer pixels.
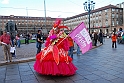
[
  {"x": 121, "y": 5},
  {"x": 106, "y": 18},
  {"x": 26, "y": 24}
]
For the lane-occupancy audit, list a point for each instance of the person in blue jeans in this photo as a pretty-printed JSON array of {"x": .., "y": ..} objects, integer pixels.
[
  {"x": 71, "y": 47},
  {"x": 18, "y": 40},
  {"x": 78, "y": 50},
  {"x": 18, "y": 43},
  {"x": 12, "y": 39},
  {"x": 39, "y": 41}
]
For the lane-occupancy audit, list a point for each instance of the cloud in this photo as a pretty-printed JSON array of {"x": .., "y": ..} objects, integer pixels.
[{"x": 5, "y": 1}]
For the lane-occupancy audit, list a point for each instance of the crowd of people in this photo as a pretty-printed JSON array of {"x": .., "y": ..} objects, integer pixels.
[
  {"x": 9, "y": 42},
  {"x": 97, "y": 37},
  {"x": 120, "y": 38},
  {"x": 55, "y": 59}
]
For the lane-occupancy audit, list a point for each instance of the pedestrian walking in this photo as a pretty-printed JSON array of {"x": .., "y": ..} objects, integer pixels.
[
  {"x": 100, "y": 37},
  {"x": 27, "y": 37},
  {"x": 18, "y": 40},
  {"x": 5, "y": 40},
  {"x": 114, "y": 39},
  {"x": 78, "y": 50},
  {"x": 95, "y": 38},
  {"x": 12, "y": 39},
  {"x": 71, "y": 47},
  {"x": 39, "y": 41}
]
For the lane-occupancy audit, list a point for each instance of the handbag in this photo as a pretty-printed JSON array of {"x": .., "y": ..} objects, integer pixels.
[{"x": 13, "y": 51}]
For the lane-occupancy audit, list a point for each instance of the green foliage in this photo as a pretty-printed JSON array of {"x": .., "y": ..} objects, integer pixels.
[{"x": 30, "y": 41}]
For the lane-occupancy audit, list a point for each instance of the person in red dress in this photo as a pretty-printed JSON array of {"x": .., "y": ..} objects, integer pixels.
[{"x": 54, "y": 59}]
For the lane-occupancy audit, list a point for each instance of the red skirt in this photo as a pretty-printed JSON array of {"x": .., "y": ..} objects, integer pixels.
[{"x": 48, "y": 66}]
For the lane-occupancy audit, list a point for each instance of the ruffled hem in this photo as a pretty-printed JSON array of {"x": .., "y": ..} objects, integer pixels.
[{"x": 51, "y": 68}]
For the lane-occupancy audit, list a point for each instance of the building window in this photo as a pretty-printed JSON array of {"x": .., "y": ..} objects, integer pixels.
[
  {"x": 96, "y": 18},
  {"x": 113, "y": 10},
  {"x": 113, "y": 15},
  {"x": 117, "y": 22},
  {"x": 96, "y": 24},
  {"x": 113, "y": 23},
  {"x": 100, "y": 24},
  {"x": 106, "y": 16},
  {"x": 106, "y": 23},
  {"x": 117, "y": 10},
  {"x": 121, "y": 21},
  {"x": 121, "y": 16},
  {"x": 96, "y": 13},
  {"x": 106, "y": 10},
  {"x": 38, "y": 20},
  {"x": 120, "y": 10},
  {"x": 117, "y": 15}
]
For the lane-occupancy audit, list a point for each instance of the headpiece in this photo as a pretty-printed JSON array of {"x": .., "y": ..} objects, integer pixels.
[{"x": 57, "y": 24}]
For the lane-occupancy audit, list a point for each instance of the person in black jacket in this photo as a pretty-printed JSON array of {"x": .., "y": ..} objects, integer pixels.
[
  {"x": 101, "y": 37},
  {"x": 95, "y": 38},
  {"x": 39, "y": 41}
]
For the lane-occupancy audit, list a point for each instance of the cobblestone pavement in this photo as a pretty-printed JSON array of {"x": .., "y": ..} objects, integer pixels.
[
  {"x": 25, "y": 51},
  {"x": 100, "y": 65}
]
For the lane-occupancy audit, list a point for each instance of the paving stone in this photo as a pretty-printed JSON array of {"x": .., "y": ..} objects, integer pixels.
[
  {"x": 12, "y": 77},
  {"x": 27, "y": 77},
  {"x": 12, "y": 73},
  {"x": 2, "y": 76},
  {"x": 92, "y": 77},
  {"x": 26, "y": 72},
  {"x": 112, "y": 72},
  {"x": 83, "y": 81},
  {"x": 121, "y": 75},
  {"x": 60, "y": 78},
  {"x": 2, "y": 81},
  {"x": 76, "y": 77},
  {"x": 62, "y": 81},
  {"x": 108, "y": 76},
  {"x": 99, "y": 72},
  {"x": 13, "y": 81},
  {"x": 31, "y": 81},
  {"x": 83, "y": 73},
  {"x": 101, "y": 80},
  {"x": 117, "y": 80}
]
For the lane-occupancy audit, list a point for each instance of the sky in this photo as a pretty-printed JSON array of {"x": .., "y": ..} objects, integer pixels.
[{"x": 54, "y": 8}]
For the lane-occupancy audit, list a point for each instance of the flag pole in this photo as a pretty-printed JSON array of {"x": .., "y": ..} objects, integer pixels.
[{"x": 62, "y": 40}]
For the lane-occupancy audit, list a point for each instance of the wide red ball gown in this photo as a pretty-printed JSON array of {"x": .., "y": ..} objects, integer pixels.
[{"x": 54, "y": 59}]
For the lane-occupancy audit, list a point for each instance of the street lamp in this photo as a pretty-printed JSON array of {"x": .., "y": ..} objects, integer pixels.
[
  {"x": 44, "y": 26},
  {"x": 27, "y": 20},
  {"x": 45, "y": 13},
  {"x": 88, "y": 6}
]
